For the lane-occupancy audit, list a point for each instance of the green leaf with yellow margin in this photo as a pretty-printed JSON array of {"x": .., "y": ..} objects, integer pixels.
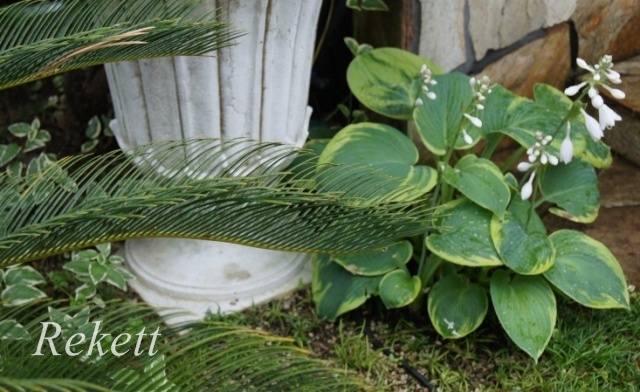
[
  {"x": 385, "y": 149},
  {"x": 481, "y": 181},
  {"x": 456, "y": 306},
  {"x": 378, "y": 262},
  {"x": 398, "y": 289},
  {"x": 388, "y": 80},
  {"x": 521, "y": 118},
  {"x": 337, "y": 291},
  {"x": 465, "y": 238},
  {"x": 574, "y": 188},
  {"x": 439, "y": 120},
  {"x": 525, "y": 248},
  {"x": 526, "y": 308},
  {"x": 595, "y": 152},
  {"x": 586, "y": 271}
]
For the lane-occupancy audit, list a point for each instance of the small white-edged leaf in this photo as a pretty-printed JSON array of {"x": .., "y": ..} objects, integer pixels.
[
  {"x": 97, "y": 272},
  {"x": 12, "y": 330},
  {"x": 23, "y": 275},
  {"x": 20, "y": 294},
  {"x": 85, "y": 291}
]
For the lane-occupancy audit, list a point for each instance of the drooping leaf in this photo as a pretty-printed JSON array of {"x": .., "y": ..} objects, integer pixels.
[
  {"x": 398, "y": 289},
  {"x": 481, "y": 181},
  {"x": 574, "y": 188},
  {"x": 586, "y": 271},
  {"x": 388, "y": 80},
  {"x": 12, "y": 330},
  {"x": 39, "y": 40},
  {"x": 439, "y": 120},
  {"x": 456, "y": 306},
  {"x": 465, "y": 237},
  {"x": 378, "y": 262},
  {"x": 526, "y": 308},
  {"x": 337, "y": 291}
]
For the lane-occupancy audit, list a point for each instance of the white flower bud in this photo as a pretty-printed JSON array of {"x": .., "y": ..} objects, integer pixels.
[
  {"x": 480, "y": 106},
  {"x": 431, "y": 95},
  {"x": 595, "y": 130},
  {"x": 597, "y": 101},
  {"x": 583, "y": 64},
  {"x": 566, "y": 149},
  {"x": 527, "y": 189},
  {"x": 472, "y": 82},
  {"x": 524, "y": 166},
  {"x": 573, "y": 90},
  {"x": 474, "y": 120},
  {"x": 553, "y": 160},
  {"x": 616, "y": 93},
  {"x": 467, "y": 138},
  {"x": 418, "y": 102}
]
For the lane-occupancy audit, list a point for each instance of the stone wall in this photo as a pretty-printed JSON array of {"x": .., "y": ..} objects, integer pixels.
[{"x": 519, "y": 43}]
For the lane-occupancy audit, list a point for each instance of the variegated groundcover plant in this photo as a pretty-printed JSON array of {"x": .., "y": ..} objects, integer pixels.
[{"x": 490, "y": 246}]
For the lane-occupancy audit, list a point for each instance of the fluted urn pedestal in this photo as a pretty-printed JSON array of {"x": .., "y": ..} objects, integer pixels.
[{"x": 256, "y": 89}]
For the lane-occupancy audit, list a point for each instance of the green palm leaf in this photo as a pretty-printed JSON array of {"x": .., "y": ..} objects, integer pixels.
[
  {"x": 234, "y": 191},
  {"x": 196, "y": 356},
  {"x": 40, "y": 38}
]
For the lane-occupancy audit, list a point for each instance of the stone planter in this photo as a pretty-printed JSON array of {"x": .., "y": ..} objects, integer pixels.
[{"x": 256, "y": 89}]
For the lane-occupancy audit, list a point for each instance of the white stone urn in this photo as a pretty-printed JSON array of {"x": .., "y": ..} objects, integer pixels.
[{"x": 256, "y": 89}]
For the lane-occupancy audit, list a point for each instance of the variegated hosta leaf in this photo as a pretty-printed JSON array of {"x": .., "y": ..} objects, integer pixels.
[
  {"x": 337, "y": 291},
  {"x": 12, "y": 330},
  {"x": 235, "y": 191},
  {"x": 388, "y": 80},
  {"x": 520, "y": 118},
  {"x": 439, "y": 119},
  {"x": 595, "y": 152},
  {"x": 481, "y": 181},
  {"x": 398, "y": 288},
  {"x": 574, "y": 188},
  {"x": 456, "y": 306},
  {"x": 526, "y": 308},
  {"x": 391, "y": 156},
  {"x": 586, "y": 271},
  {"x": 465, "y": 236},
  {"x": 378, "y": 262},
  {"x": 521, "y": 239}
]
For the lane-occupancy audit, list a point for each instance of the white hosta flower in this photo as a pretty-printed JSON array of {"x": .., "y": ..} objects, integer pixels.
[
  {"x": 467, "y": 138},
  {"x": 596, "y": 99},
  {"x": 427, "y": 80},
  {"x": 474, "y": 120},
  {"x": 418, "y": 102},
  {"x": 524, "y": 166},
  {"x": 566, "y": 149},
  {"x": 583, "y": 64},
  {"x": 594, "y": 128},
  {"x": 616, "y": 93},
  {"x": 602, "y": 74},
  {"x": 527, "y": 188},
  {"x": 607, "y": 117},
  {"x": 573, "y": 90}
]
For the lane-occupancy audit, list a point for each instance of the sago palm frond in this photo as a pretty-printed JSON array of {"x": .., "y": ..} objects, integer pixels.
[
  {"x": 198, "y": 356},
  {"x": 234, "y": 191},
  {"x": 40, "y": 38}
]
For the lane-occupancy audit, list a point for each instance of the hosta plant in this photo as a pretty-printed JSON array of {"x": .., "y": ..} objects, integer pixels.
[{"x": 490, "y": 247}]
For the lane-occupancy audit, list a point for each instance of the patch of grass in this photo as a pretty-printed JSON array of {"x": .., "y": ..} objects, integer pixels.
[{"x": 591, "y": 350}]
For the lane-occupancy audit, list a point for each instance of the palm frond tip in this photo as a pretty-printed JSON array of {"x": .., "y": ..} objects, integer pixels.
[
  {"x": 234, "y": 191},
  {"x": 39, "y": 38}
]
